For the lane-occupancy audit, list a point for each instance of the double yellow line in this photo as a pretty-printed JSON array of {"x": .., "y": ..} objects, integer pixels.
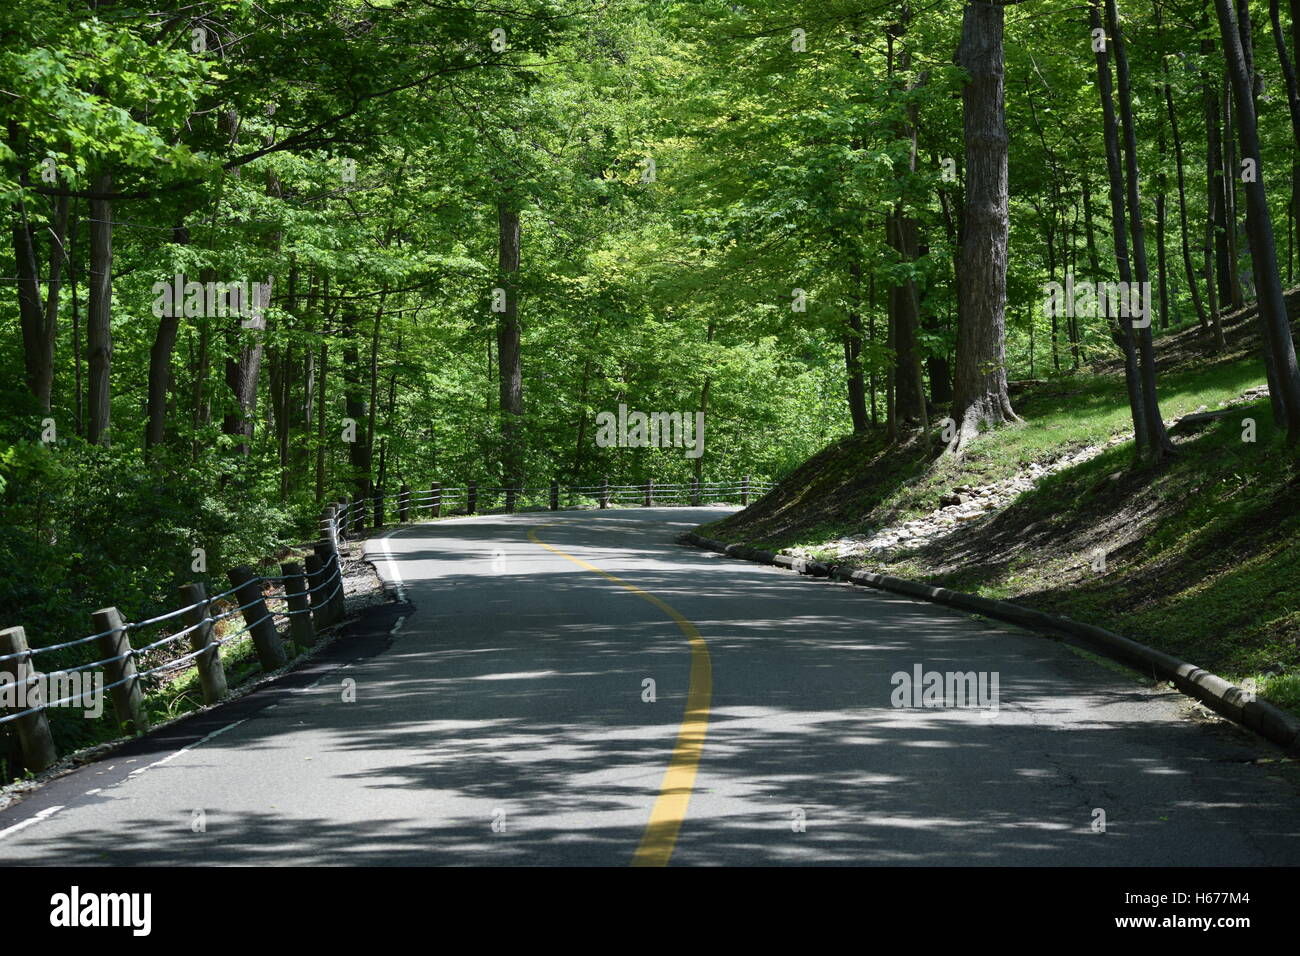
[{"x": 679, "y": 779}]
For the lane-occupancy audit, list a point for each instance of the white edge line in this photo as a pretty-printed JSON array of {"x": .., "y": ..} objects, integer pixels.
[
  {"x": 394, "y": 575},
  {"x": 44, "y": 814},
  {"x": 172, "y": 756},
  {"x": 132, "y": 775}
]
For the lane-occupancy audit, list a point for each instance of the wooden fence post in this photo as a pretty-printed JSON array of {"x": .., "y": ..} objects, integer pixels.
[
  {"x": 379, "y": 507},
  {"x": 212, "y": 673},
  {"x": 511, "y": 497},
  {"x": 404, "y": 504},
  {"x": 340, "y": 606},
  {"x": 555, "y": 495},
  {"x": 695, "y": 492},
  {"x": 329, "y": 526},
  {"x": 341, "y": 513},
  {"x": 128, "y": 695},
  {"x": 435, "y": 495},
  {"x": 320, "y": 607},
  {"x": 295, "y": 593},
  {"x": 332, "y": 575},
  {"x": 33, "y": 731},
  {"x": 248, "y": 589},
  {"x": 358, "y": 506},
  {"x": 471, "y": 498}
]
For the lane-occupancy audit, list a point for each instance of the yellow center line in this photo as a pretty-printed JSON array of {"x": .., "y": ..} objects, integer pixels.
[{"x": 679, "y": 779}]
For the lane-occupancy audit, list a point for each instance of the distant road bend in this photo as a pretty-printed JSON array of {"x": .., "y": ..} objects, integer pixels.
[{"x": 576, "y": 688}]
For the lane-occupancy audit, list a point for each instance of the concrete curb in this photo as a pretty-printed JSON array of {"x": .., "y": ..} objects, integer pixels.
[{"x": 1224, "y": 698}]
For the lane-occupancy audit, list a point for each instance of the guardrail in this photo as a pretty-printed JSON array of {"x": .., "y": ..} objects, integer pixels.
[
  {"x": 353, "y": 513},
  {"x": 311, "y": 599}
]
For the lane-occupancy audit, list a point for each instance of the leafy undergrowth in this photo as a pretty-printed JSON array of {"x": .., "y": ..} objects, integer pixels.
[{"x": 1201, "y": 552}]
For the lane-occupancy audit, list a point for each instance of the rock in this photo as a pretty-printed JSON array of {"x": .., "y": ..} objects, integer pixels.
[{"x": 949, "y": 501}]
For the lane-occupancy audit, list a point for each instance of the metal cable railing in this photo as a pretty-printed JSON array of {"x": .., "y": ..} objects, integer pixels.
[
  {"x": 322, "y": 608},
  {"x": 374, "y": 509},
  {"x": 318, "y": 596}
]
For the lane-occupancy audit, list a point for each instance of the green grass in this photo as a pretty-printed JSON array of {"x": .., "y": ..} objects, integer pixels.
[{"x": 1203, "y": 550}]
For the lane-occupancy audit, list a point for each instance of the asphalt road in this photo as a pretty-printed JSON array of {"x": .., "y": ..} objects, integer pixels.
[{"x": 502, "y": 716}]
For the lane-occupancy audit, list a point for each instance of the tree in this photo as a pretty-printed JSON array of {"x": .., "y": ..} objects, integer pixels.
[
  {"x": 980, "y": 388},
  {"x": 1279, "y": 347}
]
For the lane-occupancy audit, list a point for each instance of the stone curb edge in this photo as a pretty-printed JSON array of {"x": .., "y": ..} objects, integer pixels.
[{"x": 1224, "y": 698}]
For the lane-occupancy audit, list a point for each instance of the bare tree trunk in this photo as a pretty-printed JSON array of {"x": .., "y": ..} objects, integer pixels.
[
  {"x": 1259, "y": 229},
  {"x": 1158, "y": 439},
  {"x": 77, "y": 400},
  {"x": 1232, "y": 260},
  {"x": 1124, "y": 338},
  {"x": 356, "y": 407},
  {"x": 980, "y": 393},
  {"x": 99, "y": 335},
  {"x": 327, "y": 314},
  {"x": 871, "y": 337},
  {"x": 373, "y": 405},
  {"x": 160, "y": 366},
  {"x": 904, "y": 310},
  {"x": 322, "y": 397},
  {"x": 38, "y": 345},
  {"x": 304, "y": 414},
  {"x": 1162, "y": 184},
  {"x": 1188, "y": 271},
  {"x": 697, "y": 469},
  {"x": 242, "y": 375},
  {"x": 509, "y": 357},
  {"x": 857, "y": 395},
  {"x": 1214, "y": 194}
]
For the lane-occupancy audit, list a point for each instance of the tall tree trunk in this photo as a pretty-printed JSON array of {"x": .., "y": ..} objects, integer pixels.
[
  {"x": 38, "y": 343},
  {"x": 304, "y": 413},
  {"x": 509, "y": 357},
  {"x": 904, "y": 304},
  {"x": 857, "y": 394},
  {"x": 1231, "y": 260},
  {"x": 242, "y": 374},
  {"x": 356, "y": 407},
  {"x": 1287, "y": 64},
  {"x": 1158, "y": 439},
  {"x": 322, "y": 394},
  {"x": 160, "y": 366},
  {"x": 99, "y": 334},
  {"x": 322, "y": 398},
  {"x": 1214, "y": 192},
  {"x": 1188, "y": 271},
  {"x": 871, "y": 337},
  {"x": 697, "y": 468},
  {"x": 1124, "y": 337},
  {"x": 1259, "y": 229},
  {"x": 1162, "y": 184},
  {"x": 373, "y": 406},
  {"x": 77, "y": 399},
  {"x": 980, "y": 393}
]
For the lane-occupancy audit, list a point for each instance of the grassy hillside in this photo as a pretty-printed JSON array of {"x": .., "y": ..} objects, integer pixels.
[{"x": 1201, "y": 553}]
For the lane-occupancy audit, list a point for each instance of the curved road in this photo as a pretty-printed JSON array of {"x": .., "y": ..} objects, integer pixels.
[{"x": 504, "y": 716}]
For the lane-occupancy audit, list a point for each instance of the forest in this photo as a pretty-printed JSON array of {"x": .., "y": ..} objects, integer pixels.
[{"x": 261, "y": 254}]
